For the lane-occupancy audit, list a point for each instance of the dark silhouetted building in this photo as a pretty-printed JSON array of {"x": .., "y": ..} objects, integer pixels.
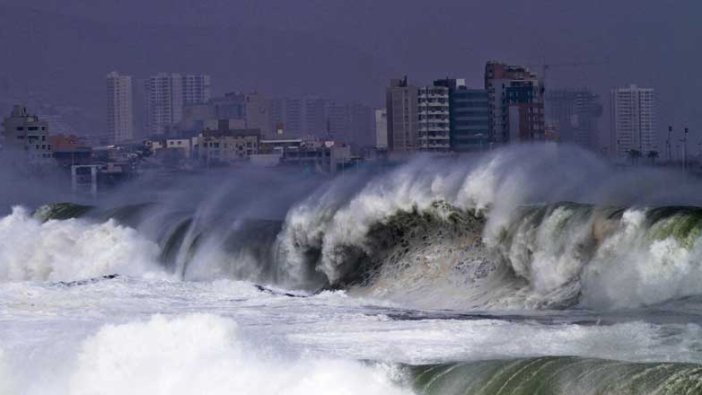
[{"x": 574, "y": 115}]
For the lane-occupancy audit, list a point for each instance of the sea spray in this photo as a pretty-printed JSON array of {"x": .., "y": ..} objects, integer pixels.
[
  {"x": 203, "y": 353},
  {"x": 71, "y": 249}
]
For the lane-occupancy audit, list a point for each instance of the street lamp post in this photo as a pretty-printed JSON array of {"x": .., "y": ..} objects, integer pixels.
[
  {"x": 667, "y": 144},
  {"x": 684, "y": 141}
]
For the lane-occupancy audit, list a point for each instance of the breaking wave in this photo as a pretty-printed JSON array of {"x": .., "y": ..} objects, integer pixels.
[
  {"x": 71, "y": 249},
  {"x": 502, "y": 231}
]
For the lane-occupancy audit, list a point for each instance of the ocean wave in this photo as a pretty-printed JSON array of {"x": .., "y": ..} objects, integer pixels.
[
  {"x": 537, "y": 227},
  {"x": 557, "y": 375},
  {"x": 31, "y": 250}
]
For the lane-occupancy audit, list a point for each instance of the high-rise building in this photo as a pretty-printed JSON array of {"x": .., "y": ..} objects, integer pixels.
[
  {"x": 286, "y": 116},
  {"x": 351, "y": 123},
  {"x": 469, "y": 116},
  {"x": 120, "y": 115},
  {"x": 300, "y": 116},
  {"x": 574, "y": 115},
  {"x": 311, "y": 116},
  {"x": 381, "y": 129},
  {"x": 168, "y": 93},
  {"x": 402, "y": 112},
  {"x": 516, "y": 103},
  {"x": 361, "y": 133},
  {"x": 257, "y": 108},
  {"x": 197, "y": 88},
  {"x": 433, "y": 119},
  {"x": 26, "y": 134},
  {"x": 633, "y": 120}
]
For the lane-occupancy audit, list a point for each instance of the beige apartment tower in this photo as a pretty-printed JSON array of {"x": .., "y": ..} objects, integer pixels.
[{"x": 120, "y": 115}]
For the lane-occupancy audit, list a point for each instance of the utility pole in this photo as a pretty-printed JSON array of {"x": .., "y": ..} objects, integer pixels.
[
  {"x": 684, "y": 141},
  {"x": 667, "y": 144}
]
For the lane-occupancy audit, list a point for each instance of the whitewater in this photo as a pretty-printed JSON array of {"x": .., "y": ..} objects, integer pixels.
[{"x": 539, "y": 269}]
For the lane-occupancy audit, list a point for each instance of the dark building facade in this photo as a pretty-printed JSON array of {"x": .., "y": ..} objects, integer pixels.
[{"x": 469, "y": 116}]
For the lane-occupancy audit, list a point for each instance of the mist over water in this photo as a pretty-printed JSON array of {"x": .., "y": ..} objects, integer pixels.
[{"x": 255, "y": 281}]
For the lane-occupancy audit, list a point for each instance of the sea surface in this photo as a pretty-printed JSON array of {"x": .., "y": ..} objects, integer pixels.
[{"x": 530, "y": 270}]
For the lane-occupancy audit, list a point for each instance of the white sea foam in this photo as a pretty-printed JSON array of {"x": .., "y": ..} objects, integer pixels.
[
  {"x": 205, "y": 354},
  {"x": 71, "y": 249},
  {"x": 7, "y": 385}
]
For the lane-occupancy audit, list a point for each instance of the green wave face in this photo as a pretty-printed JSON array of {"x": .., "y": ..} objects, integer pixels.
[
  {"x": 557, "y": 375},
  {"x": 682, "y": 223},
  {"x": 61, "y": 211}
]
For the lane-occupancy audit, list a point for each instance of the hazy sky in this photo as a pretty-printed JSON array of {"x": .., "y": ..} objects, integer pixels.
[{"x": 347, "y": 49}]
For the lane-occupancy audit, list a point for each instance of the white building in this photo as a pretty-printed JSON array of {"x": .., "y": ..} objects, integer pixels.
[
  {"x": 168, "y": 93},
  {"x": 183, "y": 147},
  {"x": 197, "y": 88},
  {"x": 433, "y": 119},
  {"x": 26, "y": 134},
  {"x": 120, "y": 115},
  {"x": 633, "y": 120}
]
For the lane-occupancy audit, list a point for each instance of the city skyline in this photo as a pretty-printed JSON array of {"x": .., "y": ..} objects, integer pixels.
[{"x": 610, "y": 50}]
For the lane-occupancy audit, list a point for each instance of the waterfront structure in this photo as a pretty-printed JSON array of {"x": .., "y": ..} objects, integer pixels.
[
  {"x": 70, "y": 150},
  {"x": 633, "y": 120},
  {"x": 226, "y": 145},
  {"x": 120, "y": 111},
  {"x": 574, "y": 115},
  {"x": 402, "y": 115},
  {"x": 177, "y": 148},
  {"x": 317, "y": 155},
  {"x": 25, "y": 134},
  {"x": 167, "y": 95},
  {"x": 516, "y": 103}
]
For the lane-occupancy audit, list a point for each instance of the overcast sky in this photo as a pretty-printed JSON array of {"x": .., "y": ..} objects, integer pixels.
[{"x": 654, "y": 43}]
